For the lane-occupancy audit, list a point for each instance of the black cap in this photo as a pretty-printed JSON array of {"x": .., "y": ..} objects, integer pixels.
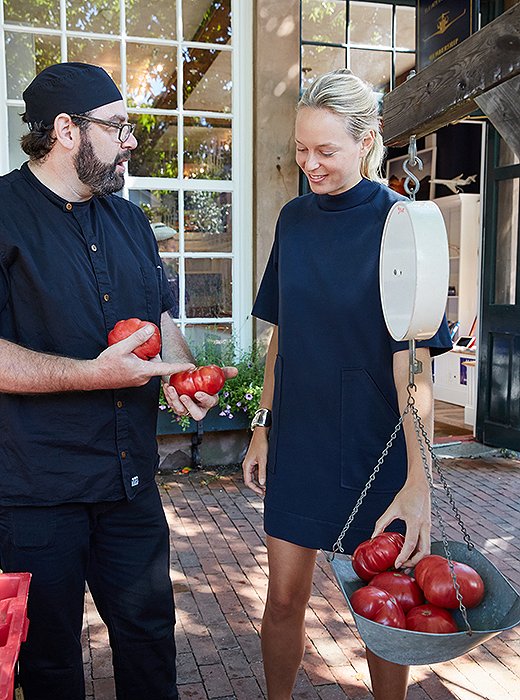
[{"x": 73, "y": 88}]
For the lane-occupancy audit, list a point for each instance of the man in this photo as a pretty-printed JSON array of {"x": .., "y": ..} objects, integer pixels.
[{"x": 78, "y": 455}]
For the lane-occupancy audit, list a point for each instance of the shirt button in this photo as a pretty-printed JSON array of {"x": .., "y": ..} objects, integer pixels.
[
  {"x": 68, "y": 206},
  {"x": 119, "y": 404},
  {"x": 106, "y": 297},
  {"x": 123, "y": 455},
  {"x": 93, "y": 247}
]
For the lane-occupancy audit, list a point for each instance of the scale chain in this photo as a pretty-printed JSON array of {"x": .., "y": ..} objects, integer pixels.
[
  {"x": 445, "y": 485},
  {"x": 422, "y": 439},
  {"x": 337, "y": 545},
  {"x": 419, "y": 428}
]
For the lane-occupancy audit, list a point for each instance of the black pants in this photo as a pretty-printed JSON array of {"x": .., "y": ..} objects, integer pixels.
[{"x": 122, "y": 550}]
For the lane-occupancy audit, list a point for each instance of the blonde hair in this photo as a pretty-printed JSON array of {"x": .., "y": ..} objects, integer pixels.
[{"x": 346, "y": 95}]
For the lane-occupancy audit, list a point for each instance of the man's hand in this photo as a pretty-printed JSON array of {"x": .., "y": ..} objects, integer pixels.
[
  {"x": 117, "y": 366},
  {"x": 198, "y": 407}
]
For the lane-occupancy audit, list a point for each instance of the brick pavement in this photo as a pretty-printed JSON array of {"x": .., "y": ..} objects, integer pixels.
[{"x": 219, "y": 573}]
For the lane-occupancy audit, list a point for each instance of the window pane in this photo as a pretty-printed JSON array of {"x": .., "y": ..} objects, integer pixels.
[
  {"x": 370, "y": 24},
  {"x": 151, "y": 18},
  {"x": 37, "y": 15},
  {"x": 207, "y": 80},
  {"x": 507, "y": 241},
  {"x": 207, "y": 148},
  {"x": 151, "y": 76},
  {"x": 156, "y": 153},
  {"x": 207, "y": 21},
  {"x": 320, "y": 59},
  {"x": 215, "y": 334},
  {"x": 208, "y": 288},
  {"x": 101, "y": 17},
  {"x": 162, "y": 209},
  {"x": 26, "y": 55},
  {"x": 16, "y": 129},
  {"x": 373, "y": 66},
  {"x": 171, "y": 270},
  {"x": 324, "y": 21},
  {"x": 405, "y": 27},
  {"x": 404, "y": 63},
  {"x": 207, "y": 221},
  {"x": 99, "y": 52}
]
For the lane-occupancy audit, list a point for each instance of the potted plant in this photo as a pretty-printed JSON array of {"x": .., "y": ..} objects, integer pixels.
[{"x": 238, "y": 399}]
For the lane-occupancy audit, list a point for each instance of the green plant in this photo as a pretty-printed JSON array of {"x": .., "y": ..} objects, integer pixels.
[{"x": 240, "y": 394}]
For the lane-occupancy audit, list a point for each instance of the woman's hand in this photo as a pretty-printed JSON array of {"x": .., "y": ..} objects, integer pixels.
[
  {"x": 412, "y": 505},
  {"x": 255, "y": 462}
]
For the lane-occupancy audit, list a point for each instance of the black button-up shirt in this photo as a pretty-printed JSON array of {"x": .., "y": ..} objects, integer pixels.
[{"x": 68, "y": 272}]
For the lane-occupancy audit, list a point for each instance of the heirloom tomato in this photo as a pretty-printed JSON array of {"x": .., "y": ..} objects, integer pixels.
[
  {"x": 432, "y": 619},
  {"x": 209, "y": 379},
  {"x": 379, "y": 606},
  {"x": 403, "y": 587},
  {"x": 150, "y": 348},
  {"x": 376, "y": 555},
  {"x": 434, "y": 577}
]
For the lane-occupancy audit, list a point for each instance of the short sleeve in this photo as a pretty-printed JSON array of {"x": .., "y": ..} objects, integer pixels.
[
  {"x": 167, "y": 297},
  {"x": 266, "y": 303},
  {"x": 168, "y": 301},
  {"x": 4, "y": 285},
  {"x": 438, "y": 344}
]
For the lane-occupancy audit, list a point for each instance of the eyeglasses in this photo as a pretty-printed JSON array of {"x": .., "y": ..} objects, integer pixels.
[{"x": 124, "y": 130}]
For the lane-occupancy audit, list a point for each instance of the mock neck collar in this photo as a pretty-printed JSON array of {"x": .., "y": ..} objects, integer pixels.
[{"x": 348, "y": 199}]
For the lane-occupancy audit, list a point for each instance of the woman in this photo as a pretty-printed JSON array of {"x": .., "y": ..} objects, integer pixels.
[{"x": 335, "y": 381}]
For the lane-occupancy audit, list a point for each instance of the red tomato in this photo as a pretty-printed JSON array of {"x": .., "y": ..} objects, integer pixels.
[
  {"x": 376, "y": 555},
  {"x": 433, "y": 575},
  {"x": 378, "y": 606},
  {"x": 432, "y": 619},
  {"x": 123, "y": 329},
  {"x": 403, "y": 587},
  {"x": 209, "y": 379}
]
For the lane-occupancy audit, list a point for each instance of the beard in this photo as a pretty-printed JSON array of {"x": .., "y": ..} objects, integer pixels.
[{"x": 102, "y": 178}]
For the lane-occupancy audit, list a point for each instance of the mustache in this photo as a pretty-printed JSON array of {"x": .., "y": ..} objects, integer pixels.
[{"x": 123, "y": 158}]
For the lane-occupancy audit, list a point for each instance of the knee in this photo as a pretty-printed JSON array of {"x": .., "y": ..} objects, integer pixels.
[{"x": 286, "y": 605}]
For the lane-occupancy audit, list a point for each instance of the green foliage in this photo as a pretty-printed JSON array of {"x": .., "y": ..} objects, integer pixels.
[{"x": 240, "y": 394}]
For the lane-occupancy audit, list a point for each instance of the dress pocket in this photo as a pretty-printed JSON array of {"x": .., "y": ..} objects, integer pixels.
[
  {"x": 275, "y": 428},
  {"x": 367, "y": 422}
]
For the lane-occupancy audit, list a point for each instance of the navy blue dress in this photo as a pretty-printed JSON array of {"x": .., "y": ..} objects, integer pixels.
[{"x": 335, "y": 403}]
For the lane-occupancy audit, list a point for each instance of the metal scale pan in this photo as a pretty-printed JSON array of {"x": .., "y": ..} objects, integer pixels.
[
  {"x": 414, "y": 272},
  {"x": 499, "y": 611}
]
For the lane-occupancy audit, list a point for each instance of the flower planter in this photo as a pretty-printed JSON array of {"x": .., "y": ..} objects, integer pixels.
[{"x": 167, "y": 425}]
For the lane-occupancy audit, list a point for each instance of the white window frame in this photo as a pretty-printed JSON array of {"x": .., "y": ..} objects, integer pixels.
[{"x": 240, "y": 185}]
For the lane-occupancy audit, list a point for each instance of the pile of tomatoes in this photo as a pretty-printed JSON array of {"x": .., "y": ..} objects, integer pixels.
[{"x": 395, "y": 599}]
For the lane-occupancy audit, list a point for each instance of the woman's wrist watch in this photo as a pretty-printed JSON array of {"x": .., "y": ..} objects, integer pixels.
[{"x": 262, "y": 418}]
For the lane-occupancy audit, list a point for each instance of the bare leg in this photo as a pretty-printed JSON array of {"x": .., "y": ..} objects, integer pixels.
[
  {"x": 283, "y": 626},
  {"x": 389, "y": 681}
]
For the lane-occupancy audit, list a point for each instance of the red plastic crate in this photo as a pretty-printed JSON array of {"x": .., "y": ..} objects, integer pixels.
[{"x": 14, "y": 589}]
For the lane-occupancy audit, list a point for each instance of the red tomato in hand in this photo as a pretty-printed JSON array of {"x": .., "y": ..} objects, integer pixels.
[
  {"x": 433, "y": 575},
  {"x": 403, "y": 587},
  {"x": 378, "y": 606},
  {"x": 209, "y": 379},
  {"x": 432, "y": 619},
  {"x": 376, "y": 555},
  {"x": 123, "y": 329}
]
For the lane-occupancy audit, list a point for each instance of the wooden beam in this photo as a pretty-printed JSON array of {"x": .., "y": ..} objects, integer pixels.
[
  {"x": 445, "y": 91},
  {"x": 502, "y": 106}
]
